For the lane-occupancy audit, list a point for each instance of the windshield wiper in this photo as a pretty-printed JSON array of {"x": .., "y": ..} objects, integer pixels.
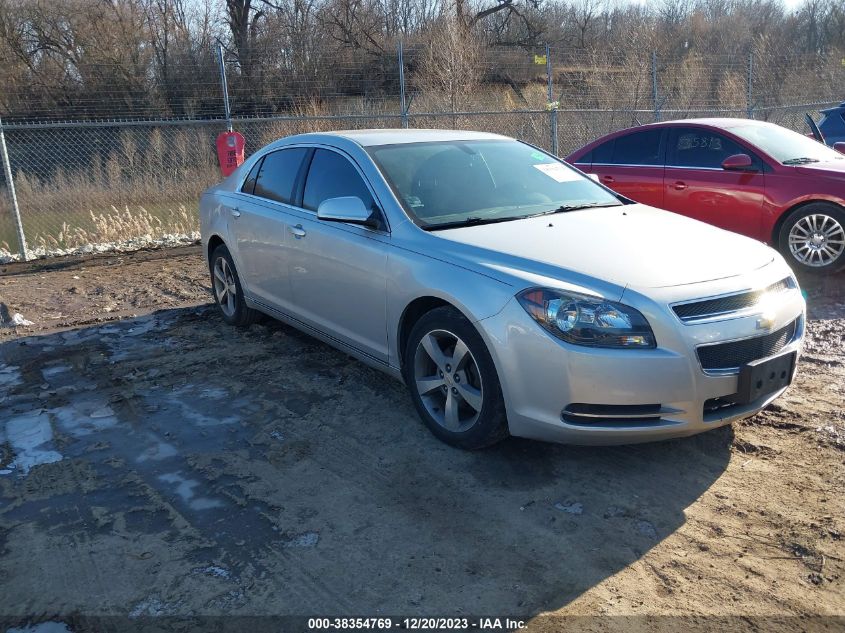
[
  {"x": 800, "y": 161},
  {"x": 475, "y": 220},
  {"x": 472, "y": 221},
  {"x": 576, "y": 207}
]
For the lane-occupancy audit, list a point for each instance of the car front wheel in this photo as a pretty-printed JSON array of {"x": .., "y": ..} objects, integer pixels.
[
  {"x": 453, "y": 381},
  {"x": 812, "y": 238}
]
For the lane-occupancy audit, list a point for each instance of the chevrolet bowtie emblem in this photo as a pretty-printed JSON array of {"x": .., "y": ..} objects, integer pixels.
[{"x": 765, "y": 322}]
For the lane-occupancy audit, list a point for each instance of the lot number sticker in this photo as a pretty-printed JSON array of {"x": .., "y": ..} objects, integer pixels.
[{"x": 558, "y": 171}]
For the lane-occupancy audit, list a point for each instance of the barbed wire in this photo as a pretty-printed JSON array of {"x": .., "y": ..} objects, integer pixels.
[{"x": 500, "y": 78}]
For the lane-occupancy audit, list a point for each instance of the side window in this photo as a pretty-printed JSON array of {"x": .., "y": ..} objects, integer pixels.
[
  {"x": 692, "y": 147},
  {"x": 638, "y": 148},
  {"x": 332, "y": 176},
  {"x": 249, "y": 183},
  {"x": 603, "y": 154},
  {"x": 278, "y": 174}
]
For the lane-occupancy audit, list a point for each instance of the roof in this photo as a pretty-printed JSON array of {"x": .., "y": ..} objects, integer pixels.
[
  {"x": 724, "y": 122},
  {"x": 368, "y": 138}
]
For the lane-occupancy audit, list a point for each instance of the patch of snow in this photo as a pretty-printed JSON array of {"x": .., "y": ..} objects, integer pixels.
[
  {"x": 152, "y": 606},
  {"x": 570, "y": 507},
  {"x": 85, "y": 417},
  {"x": 16, "y": 320},
  {"x": 217, "y": 571},
  {"x": 125, "y": 246},
  {"x": 157, "y": 450},
  {"x": 9, "y": 376},
  {"x": 53, "y": 370},
  {"x": 28, "y": 434},
  {"x": 185, "y": 489},
  {"x": 306, "y": 539}
]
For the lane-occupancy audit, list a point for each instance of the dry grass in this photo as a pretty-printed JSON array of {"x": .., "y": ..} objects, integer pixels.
[{"x": 118, "y": 226}]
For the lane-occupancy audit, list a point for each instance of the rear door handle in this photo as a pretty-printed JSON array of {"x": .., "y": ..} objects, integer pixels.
[
  {"x": 297, "y": 231},
  {"x": 236, "y": 212},
  {"x": 606, "y": 178},
  {"x": 680, "y": 186}
]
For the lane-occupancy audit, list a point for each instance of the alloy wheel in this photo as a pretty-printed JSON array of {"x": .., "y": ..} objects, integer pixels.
[
  {"x": 448, "y": 381},
  {"x": 817, "y": 240},
  {"x": 225, "y": 289}
]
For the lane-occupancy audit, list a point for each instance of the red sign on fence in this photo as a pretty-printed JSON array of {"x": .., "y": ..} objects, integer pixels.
[{"x": 230, "y": 151}]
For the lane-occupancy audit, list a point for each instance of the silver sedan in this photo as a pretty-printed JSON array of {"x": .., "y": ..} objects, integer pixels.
[{"x": 511, "y": 293}]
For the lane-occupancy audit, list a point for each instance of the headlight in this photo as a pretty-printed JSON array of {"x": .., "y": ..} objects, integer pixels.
[{"x": 585, "y": 320}]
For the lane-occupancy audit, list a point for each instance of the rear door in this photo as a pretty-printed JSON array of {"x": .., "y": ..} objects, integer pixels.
[
  {"x": 260, "y": 224},
  {"x": 698, "y": 187},
  {"x": 338, "y": 271},
  {"x": 632, "y": 164}
]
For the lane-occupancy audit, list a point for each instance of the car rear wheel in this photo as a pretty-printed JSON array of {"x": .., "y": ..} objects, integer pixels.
[
  {"x": 812, "y": 238},
  {"x": 227, "y": 290},
  {"x": 453, "y": 382}
]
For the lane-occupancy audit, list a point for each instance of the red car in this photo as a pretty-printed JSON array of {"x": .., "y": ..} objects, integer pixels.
[{"x": 755, "y": 178}]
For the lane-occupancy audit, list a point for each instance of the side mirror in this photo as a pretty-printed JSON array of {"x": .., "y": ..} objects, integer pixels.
[
  {"x": 839, "y": 147},
  {"x": 738, "y": 162},
  {"x": 349, "y": 209}
]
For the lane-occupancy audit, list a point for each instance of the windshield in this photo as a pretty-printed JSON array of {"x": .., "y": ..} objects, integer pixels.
[
  {"x": 449, "y": 183},
  {"x": 785, "y": 145}
]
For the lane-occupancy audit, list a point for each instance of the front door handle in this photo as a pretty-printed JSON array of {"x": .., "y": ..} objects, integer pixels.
[
  {"x": 236, "y": 212},
  {"x": 607, "y": 179},
  {"x": 680, "y": 186},
  {"x": 297, "y": 231}
]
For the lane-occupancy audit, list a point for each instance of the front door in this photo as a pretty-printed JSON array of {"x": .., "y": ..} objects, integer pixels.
[
  {"x": 698, "y": 187},
  {"x": 338, "y": 271}
]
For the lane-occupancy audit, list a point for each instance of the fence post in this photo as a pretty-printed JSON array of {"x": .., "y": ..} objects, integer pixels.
[
  {"x": 553, "y": 106},
  {"x": 16, "y": 211},
  {"x": 225, "y": 87},
  {"x": 655, "y": 96},
  {"x": 749, "y": 94},
  {"x": 402, "y": 101}
]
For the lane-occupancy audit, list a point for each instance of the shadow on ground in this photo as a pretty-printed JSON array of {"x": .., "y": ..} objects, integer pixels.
[{"x": 171, "y": 465}]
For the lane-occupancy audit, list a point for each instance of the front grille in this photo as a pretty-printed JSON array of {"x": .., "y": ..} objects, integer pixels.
[
  {"x": 735, "y": 354},
  {"x": 707, "y": 308}
]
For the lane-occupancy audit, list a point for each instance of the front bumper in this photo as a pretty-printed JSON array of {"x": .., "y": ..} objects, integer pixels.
[{"x": 541, "y": 376}]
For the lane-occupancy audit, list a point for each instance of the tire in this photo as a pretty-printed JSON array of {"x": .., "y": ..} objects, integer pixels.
[
  {"x": 812, "y": 238},
  {"x": 230, "y": 305},
  {"x": 461, "y": 405}
]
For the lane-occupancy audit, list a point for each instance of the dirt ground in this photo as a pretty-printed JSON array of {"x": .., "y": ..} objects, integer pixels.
[{"x": 156, "y": 462}]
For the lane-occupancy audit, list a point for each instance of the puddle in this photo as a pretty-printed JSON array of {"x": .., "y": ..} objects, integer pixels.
[
  {"x": 157, "y": 450},
  {"x": 180, "y": 399}
]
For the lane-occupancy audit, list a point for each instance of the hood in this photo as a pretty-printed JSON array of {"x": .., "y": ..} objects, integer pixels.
[
  {"x": 631, "y": 245},
  {"x": 830, "y": 168}
]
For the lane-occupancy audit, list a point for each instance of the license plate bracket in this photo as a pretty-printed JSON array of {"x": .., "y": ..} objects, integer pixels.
[{"x": 761, "y": 377}]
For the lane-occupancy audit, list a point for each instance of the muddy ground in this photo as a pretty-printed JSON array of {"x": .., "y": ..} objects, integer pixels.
[{"x": 156, "y": 462}]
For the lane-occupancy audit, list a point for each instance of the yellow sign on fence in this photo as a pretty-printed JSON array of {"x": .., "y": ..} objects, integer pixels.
[{"x": 540, "y": 60}]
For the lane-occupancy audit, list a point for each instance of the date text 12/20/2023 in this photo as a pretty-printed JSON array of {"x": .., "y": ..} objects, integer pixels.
[{"x": 416, "y": 624}]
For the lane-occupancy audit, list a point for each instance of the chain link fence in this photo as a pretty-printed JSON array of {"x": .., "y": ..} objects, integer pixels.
[{"x": 95, "y": 185}]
